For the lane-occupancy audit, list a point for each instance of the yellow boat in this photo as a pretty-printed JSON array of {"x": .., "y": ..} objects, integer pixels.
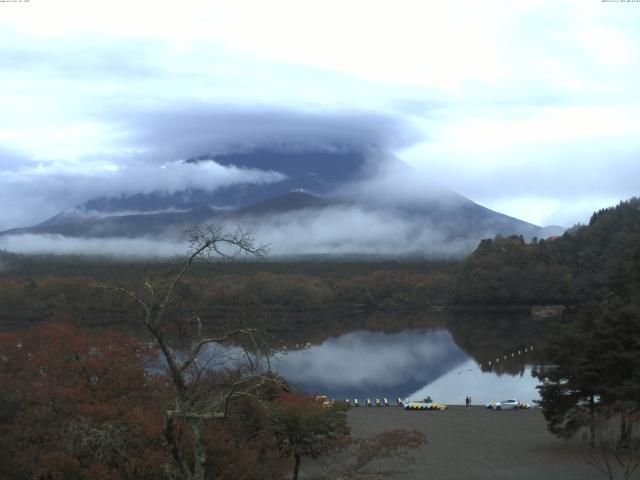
[{"x": 425, "y": 406}]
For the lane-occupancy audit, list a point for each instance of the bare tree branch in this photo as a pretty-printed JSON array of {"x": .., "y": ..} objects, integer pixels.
[{"x": 198, "y": 400}]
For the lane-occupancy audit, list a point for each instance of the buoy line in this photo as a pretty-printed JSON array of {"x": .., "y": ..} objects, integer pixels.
[{"x": 508, "y": 355}]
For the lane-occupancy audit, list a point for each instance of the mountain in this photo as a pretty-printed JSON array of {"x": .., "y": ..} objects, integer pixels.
[
  {"x": 130, "y": 225},
  {"x": 317, "y": 173},
  {"x": 323, "y": 185},
  {"x": 286, "y": 203}
]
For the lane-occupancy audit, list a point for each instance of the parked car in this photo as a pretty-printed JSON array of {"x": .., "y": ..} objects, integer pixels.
[{"x": 509, "y": 404}]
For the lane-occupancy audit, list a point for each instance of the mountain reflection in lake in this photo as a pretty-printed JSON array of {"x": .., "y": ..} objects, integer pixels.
[{"x": 412, "y": 364}]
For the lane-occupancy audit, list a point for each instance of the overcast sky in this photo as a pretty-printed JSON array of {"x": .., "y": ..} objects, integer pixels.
[{"x": 530, "y": 108}]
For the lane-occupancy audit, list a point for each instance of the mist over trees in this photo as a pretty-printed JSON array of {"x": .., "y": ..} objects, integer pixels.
[{"x": 582, "y": 266}]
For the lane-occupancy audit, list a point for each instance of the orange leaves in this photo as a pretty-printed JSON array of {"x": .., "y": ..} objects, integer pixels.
[
  {"x": 86, "y": 404},
  {"x": 295, "y": 399}
]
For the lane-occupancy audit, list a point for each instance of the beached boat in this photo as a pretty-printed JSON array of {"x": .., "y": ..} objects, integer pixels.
[{"x": 422, "y": 405}]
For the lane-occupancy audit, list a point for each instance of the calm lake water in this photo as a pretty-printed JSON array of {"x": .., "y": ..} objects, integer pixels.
[
  {"x": 445, "y": 357},
  {"x": 410, "y": 364}
]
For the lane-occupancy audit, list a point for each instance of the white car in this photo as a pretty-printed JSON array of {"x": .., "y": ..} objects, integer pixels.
[{"x": 509, "y": 404}]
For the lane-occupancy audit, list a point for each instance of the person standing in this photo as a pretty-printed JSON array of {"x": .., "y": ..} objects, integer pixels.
[
  {"x": 469, "y": 404},
  {"x": 467, "y": 400}
]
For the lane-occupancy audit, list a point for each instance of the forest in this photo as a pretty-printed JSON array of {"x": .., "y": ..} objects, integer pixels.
[
  {"x": 86, "y": 403},
  {"x": 582, "y": 266}
]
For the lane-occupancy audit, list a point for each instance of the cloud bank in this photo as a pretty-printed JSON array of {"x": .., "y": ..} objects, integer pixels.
[
  {"x": 197, "y": 129},
  {"x": 33, "y": 193},
  {"x": 140, "y": 248},
  {"x": 336, "y": 231},
  {"x": 154, "y": 143},
  {"x": 357, "y": 231}
]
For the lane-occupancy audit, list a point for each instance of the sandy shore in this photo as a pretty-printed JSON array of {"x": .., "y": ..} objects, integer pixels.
[{"x": 480, "y": 444}]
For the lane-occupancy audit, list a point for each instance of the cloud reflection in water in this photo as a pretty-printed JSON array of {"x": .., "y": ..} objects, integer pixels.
[
  {"x": 484, "y": 387},
  {"x": 413, "y": 364},
  {"x": 371, "y": 364}
]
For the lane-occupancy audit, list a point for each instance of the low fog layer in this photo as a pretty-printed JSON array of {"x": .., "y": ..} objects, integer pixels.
[
  {"x": 335, "y": 231},
  {"x": 352, "y": 230},
  {"x": 121, "y": 247}
]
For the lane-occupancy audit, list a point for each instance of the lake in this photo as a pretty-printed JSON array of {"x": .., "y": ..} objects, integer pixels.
[
  {"x": 409, "y": 364},
  {"x": 380, "y": 354}
]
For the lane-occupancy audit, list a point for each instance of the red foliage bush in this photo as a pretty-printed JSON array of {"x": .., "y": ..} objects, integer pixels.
[{"x": 79, "y": 405}]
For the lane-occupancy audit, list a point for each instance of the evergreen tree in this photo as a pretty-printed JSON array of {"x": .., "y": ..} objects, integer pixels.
[{"x": 596, "y": 369}]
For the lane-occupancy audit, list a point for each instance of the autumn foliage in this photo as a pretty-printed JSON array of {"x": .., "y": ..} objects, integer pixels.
[
  {"x": 307, "y": 427},
  {"x": 78, "y": 405},
  {"x": 81, "y": 405}
]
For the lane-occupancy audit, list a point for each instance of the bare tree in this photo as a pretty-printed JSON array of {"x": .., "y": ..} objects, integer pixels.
[{"x": 201, "y": 396}]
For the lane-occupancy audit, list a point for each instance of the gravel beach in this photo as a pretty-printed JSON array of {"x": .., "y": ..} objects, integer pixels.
[{"x": 478, "y": 443}]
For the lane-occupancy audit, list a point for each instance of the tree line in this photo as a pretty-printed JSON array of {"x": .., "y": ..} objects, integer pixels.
[{"x": 578, "y": 267}]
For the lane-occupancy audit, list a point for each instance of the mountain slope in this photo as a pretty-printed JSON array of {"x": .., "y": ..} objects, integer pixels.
[
  {"x": 283, "y": 204},
  {"x": 317, "y": 173},
  {"x": 326, "y": 194},
  {"x": 128, "y": 226}
]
